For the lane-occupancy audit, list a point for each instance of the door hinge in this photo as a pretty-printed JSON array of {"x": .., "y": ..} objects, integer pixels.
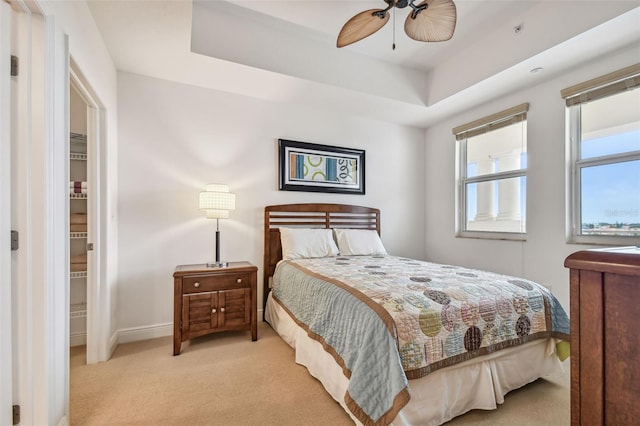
[
  {"x": 16, "y": 414},
  {"x": 89, "y": 246},
  {"x": 14, "y": 66},
  {"x": 14, "y": 240}
]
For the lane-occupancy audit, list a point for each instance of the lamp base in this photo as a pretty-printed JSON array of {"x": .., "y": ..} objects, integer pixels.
[{"x": 217, "y": 264}]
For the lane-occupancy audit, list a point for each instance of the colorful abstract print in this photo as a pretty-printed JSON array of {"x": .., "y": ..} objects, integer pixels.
[
  {"x": 446, "y": 314},
  {"x": 339, "y": 170}
]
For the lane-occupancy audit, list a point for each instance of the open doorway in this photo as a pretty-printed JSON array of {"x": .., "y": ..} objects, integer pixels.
[
  {"x": 88, "y": 301},
  {"x": 79, "y": 236}
]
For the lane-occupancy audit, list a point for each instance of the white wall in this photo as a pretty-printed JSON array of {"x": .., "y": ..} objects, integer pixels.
[
  {"x": 541, "y": 257},
  {"x": 77, "y": 113},
  {"x": 175, "y": 138}
]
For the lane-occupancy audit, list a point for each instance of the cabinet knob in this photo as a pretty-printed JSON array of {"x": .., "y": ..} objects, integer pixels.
[
  {"x": 196, "y": 285},
  {"x": 221, "y": 309},
  {"x": 239, "y": 280},
  {"x": 213, "y": 311}
]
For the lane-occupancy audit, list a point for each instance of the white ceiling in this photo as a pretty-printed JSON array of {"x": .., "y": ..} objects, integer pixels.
[{"x": 284, "y": 50}]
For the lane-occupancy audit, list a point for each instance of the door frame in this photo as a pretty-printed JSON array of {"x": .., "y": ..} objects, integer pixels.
[
  {"x": 97, "y": 338},
  {"x": 6, "y": 367}
]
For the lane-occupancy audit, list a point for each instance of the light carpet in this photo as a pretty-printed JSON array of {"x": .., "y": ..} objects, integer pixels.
[{"x": 226, "y": 379}]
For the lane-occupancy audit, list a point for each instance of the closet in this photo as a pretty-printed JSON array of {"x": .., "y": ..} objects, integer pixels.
[{"x": 78, "y": 223}]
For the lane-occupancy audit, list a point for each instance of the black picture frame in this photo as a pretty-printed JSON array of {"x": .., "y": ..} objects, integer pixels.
[{"x": 313, "y": 167}]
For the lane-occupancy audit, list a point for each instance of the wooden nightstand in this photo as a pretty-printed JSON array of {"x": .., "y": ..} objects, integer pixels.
[{"x": 208, "y": 300}]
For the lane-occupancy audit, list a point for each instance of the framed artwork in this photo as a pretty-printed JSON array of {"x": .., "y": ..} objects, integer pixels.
[{"x": 320, "y": 168}]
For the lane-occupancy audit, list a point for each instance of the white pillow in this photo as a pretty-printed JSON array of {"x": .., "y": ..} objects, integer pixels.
[
  {"x": 302, "y": 243},
  {"x": 358, "y": 242}
]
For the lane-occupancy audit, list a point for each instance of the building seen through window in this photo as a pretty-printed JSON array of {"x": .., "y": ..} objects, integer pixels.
[
  {"x": 497, "y": 204},
  {"x": 492, "y": 178}
]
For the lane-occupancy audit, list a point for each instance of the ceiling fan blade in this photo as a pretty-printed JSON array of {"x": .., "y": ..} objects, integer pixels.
[
  {"x": 435, "y": 23},
  {"x": 360, "y": 26}
]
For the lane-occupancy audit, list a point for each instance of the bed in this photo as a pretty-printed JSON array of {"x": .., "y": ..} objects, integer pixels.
[{"x": 395, "y": 340}]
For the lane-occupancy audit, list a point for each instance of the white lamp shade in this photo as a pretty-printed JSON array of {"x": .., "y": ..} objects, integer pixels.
[
  {"x": 217, "y": 214},
  {"x": 217, "y": 201}
]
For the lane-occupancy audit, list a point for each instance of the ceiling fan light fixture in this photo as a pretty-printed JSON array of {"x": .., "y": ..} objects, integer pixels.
[
  {"x": 361, "y": 26},
  {"x": 437, "y": 22}
]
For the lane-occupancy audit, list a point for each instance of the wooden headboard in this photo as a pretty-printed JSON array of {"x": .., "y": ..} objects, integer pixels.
[{"x": 309, "y": 216}]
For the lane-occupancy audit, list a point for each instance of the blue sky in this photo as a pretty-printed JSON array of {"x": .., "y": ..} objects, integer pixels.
[{"x": 611, "y": 192}]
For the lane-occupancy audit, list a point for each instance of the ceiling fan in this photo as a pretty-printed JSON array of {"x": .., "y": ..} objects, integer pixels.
[{"x": 430, "y": 20}]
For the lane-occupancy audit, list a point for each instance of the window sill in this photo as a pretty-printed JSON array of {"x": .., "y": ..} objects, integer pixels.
[
  {"x": 602, "y": 240},
  {"x": 492, "y": 235}
]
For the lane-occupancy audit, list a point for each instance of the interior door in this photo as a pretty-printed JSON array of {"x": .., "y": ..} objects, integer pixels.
[
  {"x": 35, "y": 339},
  {"x": 6, "y": 376}
]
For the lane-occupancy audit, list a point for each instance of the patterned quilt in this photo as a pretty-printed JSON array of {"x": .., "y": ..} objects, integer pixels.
[{"x": 438, "y": 315}]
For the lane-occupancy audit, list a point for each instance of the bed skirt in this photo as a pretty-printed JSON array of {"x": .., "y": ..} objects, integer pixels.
[{"x": 480, "y": 383}]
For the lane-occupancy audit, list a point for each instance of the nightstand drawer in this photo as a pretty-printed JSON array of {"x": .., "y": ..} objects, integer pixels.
[{"x": 199, "y": 284}]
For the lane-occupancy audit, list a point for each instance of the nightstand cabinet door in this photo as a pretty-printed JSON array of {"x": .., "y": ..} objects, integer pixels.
[
  {"x": 235, "y": 308},
  {"x": 205, "y": 313},
  {"x": 199, "y": 314}
]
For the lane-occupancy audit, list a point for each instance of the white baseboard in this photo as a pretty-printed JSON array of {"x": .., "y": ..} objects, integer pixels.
[
  {"x": 78, "y": 339},
  {"x": 64, "y": 421},
  {"x": 134, "y": 334}
]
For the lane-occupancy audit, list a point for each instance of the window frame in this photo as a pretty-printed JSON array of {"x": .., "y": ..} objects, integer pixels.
[
  {"x": 574, "y": 181},
  {"x": 604, "y": 86},
  {"x": 493, "y": 122}
]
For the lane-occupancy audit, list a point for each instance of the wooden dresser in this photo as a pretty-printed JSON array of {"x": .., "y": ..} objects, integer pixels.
[
  {"x": 605, "y": 336},
  {"x": 208, "y": 300}
]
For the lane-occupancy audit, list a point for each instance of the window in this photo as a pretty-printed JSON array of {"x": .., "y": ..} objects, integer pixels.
[
  {"x": 492, "y": 175},
  {"x": 604, "y": 158}
]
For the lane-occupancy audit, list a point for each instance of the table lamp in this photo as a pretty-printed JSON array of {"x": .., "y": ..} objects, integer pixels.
[{"x": 217, "y": 201}]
